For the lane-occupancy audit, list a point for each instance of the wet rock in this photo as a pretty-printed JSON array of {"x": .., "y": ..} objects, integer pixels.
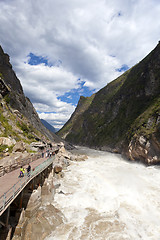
[
  {"x": 57, "y": 169},
  {"x": 61, "y": 192},
  {"x": 57, "y": 185},
  {"x": 35, "y": 197},
  {"x": 45, "y": 221},
  {"x": 78, "y": 157}
]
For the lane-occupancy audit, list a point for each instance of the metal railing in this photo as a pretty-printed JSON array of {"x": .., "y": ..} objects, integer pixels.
[
  {"x": 7, "y": 198},
  {"x": 15, "y": 165}
]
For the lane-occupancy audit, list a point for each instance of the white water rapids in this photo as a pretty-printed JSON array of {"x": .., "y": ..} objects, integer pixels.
[{"x": 108, "y": 198}]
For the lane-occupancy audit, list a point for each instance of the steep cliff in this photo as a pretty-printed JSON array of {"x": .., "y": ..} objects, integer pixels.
[
  {"x": 124, "y": 116},
  {"x": 77, "y": 117},
  {"x": 18, "y": 118},
  {"x": 48, "y": 126}
]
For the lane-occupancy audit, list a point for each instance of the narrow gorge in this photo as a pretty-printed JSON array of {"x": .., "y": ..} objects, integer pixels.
[
  {"x": 103, "y": 182},
  {"x": 124, "y": 116}
]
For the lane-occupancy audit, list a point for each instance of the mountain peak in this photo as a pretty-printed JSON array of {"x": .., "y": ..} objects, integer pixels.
[{"x": 122, "y": 113}]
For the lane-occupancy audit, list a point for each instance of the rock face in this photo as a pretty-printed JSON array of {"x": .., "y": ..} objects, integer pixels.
[
  {"x": 11, "y": 91},
  {"x": 19, "y": 147},
  {"x": 43, "y": 223},
  {"x": 144, "y": 150},
  {"x": 124, "y": 116},
  {"x": 7, "y": 141},
  {"x": 19, "y": 121}
]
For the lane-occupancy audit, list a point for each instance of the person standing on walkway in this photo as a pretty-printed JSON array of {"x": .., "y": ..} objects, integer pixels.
[
  {"x": 28, "y": 170},
  {"x": 21, "y": 172}
]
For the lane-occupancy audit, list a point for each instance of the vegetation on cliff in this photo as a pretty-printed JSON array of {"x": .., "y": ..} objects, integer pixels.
[
  {"x": 19, "y": 120},
  {"x": 125, "y": 108},
  {"x": 82, "y": 106}
]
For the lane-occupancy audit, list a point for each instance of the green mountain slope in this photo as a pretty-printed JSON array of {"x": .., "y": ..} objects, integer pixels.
[
  {"x": 83, "y": 104},
  {"x": 124, "y": 116}
]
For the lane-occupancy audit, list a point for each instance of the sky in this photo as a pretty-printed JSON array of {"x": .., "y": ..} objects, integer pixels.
[{"x": 61, "y": 50}]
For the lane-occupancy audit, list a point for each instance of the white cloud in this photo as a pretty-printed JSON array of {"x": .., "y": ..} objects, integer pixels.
[
  {"x": 46, "y": 80},
  {"x": 92, "y": 39},
  {"x": 44, "y": 84},
  {"x": 56, "y": 119}
]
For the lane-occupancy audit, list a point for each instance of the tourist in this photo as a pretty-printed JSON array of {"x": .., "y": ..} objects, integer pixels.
[
  {"x": 28, "y": 170},
  {"x": 21, "y": 172}
]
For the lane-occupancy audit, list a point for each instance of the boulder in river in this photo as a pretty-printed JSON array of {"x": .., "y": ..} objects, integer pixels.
[{"x": 57, "y": 169}]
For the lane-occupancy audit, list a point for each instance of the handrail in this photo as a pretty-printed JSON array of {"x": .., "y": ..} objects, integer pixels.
[
  {"x": 12, "y": 193},
  {"x": 15, "y": 165}
]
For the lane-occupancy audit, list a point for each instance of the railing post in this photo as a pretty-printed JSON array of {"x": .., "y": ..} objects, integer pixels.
[
  {"x": 21, "y": 200},
  {"x": 14, "y": 190},
  {"x": 4, "y": 200},
  {"x": 8, "y": 215},
  {"x": 21, "y": 182},
  {"x": 26, "y": 178}
]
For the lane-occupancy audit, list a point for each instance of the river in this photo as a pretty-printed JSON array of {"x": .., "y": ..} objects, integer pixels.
[{"x": 108, "y": 198}]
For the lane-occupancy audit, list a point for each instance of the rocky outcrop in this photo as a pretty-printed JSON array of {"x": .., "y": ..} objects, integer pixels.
[
  {"x": 43, "y": 223},
  {"x": 15, "y": 158},
  {"x": 13, "y": 101},
  {"x": 144, "y": 150},
  {"x": 19, "y": 147},
  {"x": 8, "y": 74},
  {"x": 4, "y": 89},
  {"x": 7, "y": 141},
  {"x": 57, "y": 169}
]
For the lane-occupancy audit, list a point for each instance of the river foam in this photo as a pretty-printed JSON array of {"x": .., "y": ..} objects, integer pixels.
[{"x": 107, "y": 198}]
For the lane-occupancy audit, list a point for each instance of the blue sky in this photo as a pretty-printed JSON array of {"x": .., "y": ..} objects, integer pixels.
[
  {"x": 35, "y": 60},
  {"x": 61, "y": 50},
  {"x": 74, "y": 94}
]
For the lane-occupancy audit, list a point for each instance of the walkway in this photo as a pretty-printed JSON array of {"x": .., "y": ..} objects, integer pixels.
[{"x": 8, "y": 181}]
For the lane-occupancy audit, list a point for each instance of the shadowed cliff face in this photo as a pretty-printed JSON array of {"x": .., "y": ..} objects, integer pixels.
[
  {"x": 123, "y": 113},
  {"x": 8, "y": 74},
  {"x": 11, "y": 91}
]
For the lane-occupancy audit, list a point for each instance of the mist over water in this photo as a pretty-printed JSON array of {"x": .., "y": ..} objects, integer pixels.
[{"x": 108, "y": 198}]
